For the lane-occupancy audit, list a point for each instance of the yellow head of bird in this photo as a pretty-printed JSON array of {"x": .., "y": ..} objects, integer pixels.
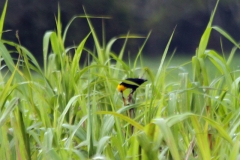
[{"x": 121, "y": 88}]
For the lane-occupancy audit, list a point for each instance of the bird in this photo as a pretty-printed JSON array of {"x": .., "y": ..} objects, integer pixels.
[{"x": 131, "y": 83}]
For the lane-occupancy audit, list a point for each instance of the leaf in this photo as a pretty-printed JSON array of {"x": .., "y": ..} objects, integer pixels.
[
  {"x": 226, "y": 35},
  {"x": 125, "y": 118},
  {"x": 3, "y": 18},
  {"x": 205, "y": 37},
  {"x": 9, "y": 108},
  {"x": 168, "y": 137}
]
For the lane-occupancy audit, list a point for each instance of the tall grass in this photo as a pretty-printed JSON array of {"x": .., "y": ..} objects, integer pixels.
[{"x": 70, "y": 111}]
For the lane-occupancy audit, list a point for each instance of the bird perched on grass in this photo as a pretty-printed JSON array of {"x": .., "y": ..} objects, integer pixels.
[{"x": 131, "y": 83}]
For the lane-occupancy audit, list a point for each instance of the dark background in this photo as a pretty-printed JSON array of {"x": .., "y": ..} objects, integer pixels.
[{"x": 32, "y": 18}]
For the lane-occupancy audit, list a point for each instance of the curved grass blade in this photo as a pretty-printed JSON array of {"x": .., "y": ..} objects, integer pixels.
[
  {"x": 141, "y": 49},
  {"x": 168, "y": 137},
  {"x": 12, "y": 104},
  {"x": 7, "y": 58},
  {"x": 100, "y": 53},
  {"x": 226, "y": 35},
  {"x": 125, "y": 118}
]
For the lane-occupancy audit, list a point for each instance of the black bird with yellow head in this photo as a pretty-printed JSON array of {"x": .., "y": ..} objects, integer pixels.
[{"x": 131, "y": 83}]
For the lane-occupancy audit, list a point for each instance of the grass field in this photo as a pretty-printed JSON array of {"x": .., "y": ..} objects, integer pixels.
[
  {"x": 183, "y": 64},
  {"x": 66, "y": 110}
]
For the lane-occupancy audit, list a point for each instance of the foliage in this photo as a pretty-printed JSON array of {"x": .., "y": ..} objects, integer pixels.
[{"x": 70, "y": 111}]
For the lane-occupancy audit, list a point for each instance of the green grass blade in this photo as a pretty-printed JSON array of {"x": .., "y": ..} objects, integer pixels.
[
  {"x": 127, "y": 119},
  {"x": 20, "y": 145},
  {"x": 46, "y": 40},
  {"x": 149, "y": 151},
  {"x": 201, "y": 138},
  {"x": 100, "y": 52},
  {"x": 5, "y": 152},
  {"x": 2, "y": 18},
  {"x": 221, "y": 64},
  {"x": 101, "y": 144},
  {"x": 168, "y": 137},
  {"x": 6, "y": 56},
  {"x": 231, "y": 56},
  {"x": 67, "y": 27},
  {"x": 159, "y": 71},
  {"x": 140, "y": 50},
  {"x": 67, "y": 108},
  {"x": 133, "y": 151},
  {"x": 219, "y": 128},
  {"x": 10, "y": 107},
  {"x": 235, "y": 151},
  {"x": 205, "y": 37},
  {"x": 77, "y": 56},
  {"x": 52, "y": 154},
  {"x": 7, "y": 90},
  {"x": 226, "y": 35}
]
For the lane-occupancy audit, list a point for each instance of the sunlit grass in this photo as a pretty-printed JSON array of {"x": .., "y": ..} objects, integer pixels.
[{"x": 188, "y": 108}]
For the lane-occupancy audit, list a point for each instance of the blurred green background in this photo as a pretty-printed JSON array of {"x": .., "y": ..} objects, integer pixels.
[{"x": 32, "y": 18}]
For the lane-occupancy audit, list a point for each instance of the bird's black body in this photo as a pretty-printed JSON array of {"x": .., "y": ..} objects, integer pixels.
[{"x": 134, "y": 83}]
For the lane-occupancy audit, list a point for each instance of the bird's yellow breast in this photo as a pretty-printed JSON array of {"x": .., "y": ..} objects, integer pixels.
[{"x": 121, "y": 88}]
